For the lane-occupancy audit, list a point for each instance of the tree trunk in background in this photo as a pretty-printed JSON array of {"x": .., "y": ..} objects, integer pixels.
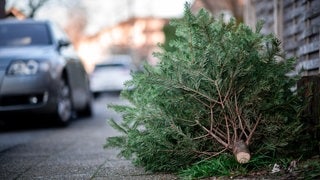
[
  {"x": 310, "y": 92},
  {"x": 2, "y": 9}
]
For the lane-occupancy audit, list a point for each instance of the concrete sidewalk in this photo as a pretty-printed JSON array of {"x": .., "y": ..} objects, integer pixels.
[
  {"x": 72, "y": 153},
  {"x": 75, "y": 152}
]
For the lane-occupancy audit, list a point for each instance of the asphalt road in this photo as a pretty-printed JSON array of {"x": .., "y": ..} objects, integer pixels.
[{"x": 39, "y": 150}]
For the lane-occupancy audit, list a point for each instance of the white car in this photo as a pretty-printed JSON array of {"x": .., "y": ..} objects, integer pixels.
[{"x": 111, "y": 74}]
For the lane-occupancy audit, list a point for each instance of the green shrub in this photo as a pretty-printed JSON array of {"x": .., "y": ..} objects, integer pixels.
[{"x": 223, "y": 83}]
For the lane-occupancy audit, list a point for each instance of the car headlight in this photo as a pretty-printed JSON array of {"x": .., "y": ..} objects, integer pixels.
[{"x": 28, "y": 67}]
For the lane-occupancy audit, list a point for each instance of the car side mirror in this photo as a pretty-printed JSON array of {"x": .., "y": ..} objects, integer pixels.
[{"x": 62, "y": 43}]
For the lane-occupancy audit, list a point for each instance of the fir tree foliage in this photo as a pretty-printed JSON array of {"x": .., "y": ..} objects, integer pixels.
[{"x": 223, "y": 83}]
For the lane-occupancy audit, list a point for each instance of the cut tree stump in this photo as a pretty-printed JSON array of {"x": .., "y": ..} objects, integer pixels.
[{"x": 241, "y": 152}]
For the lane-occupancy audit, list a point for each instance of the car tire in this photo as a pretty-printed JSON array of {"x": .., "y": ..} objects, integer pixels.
[
  {"x": 96, "y": 95},
  {"x": 64, "y": 109},
  {"x": 87, "y": 111}
]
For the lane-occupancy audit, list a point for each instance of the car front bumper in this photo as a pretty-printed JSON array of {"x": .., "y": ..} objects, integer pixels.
[{"x": 35, "y": 93}]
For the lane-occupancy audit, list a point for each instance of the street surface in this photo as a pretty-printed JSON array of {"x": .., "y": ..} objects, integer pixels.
[{"x": 40, "y": 150}]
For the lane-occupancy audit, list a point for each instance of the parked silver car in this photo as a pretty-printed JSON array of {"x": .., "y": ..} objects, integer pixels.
[
  {"x": 111, "y": 74},
  {"x": 40, "y": 71}
]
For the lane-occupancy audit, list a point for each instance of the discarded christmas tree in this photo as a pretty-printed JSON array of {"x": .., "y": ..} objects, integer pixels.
[{"x": 224, "y": 89}]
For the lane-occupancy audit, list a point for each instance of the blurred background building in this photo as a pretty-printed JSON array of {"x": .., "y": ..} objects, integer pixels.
[
  {"x": 100, "y": 28},
  {"x": 297, "y": 25}
]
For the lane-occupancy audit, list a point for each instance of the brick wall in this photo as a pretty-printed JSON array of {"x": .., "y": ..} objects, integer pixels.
[{"x": 296, "y": 23}]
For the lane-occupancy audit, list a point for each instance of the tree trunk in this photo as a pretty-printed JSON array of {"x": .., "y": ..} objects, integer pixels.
[
  {"x": 309, "y": 87},
  {"x": 2, "y": 9},
  {"x": 309, "y": 90},
  {"x": 241, "y": 152}
]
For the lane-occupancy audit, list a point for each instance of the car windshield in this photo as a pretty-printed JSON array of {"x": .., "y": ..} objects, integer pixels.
[{"x": 24, "y": 35}]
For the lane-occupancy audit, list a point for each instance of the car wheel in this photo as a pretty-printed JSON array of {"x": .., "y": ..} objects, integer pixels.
[{"x": 64, "y": 109}]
